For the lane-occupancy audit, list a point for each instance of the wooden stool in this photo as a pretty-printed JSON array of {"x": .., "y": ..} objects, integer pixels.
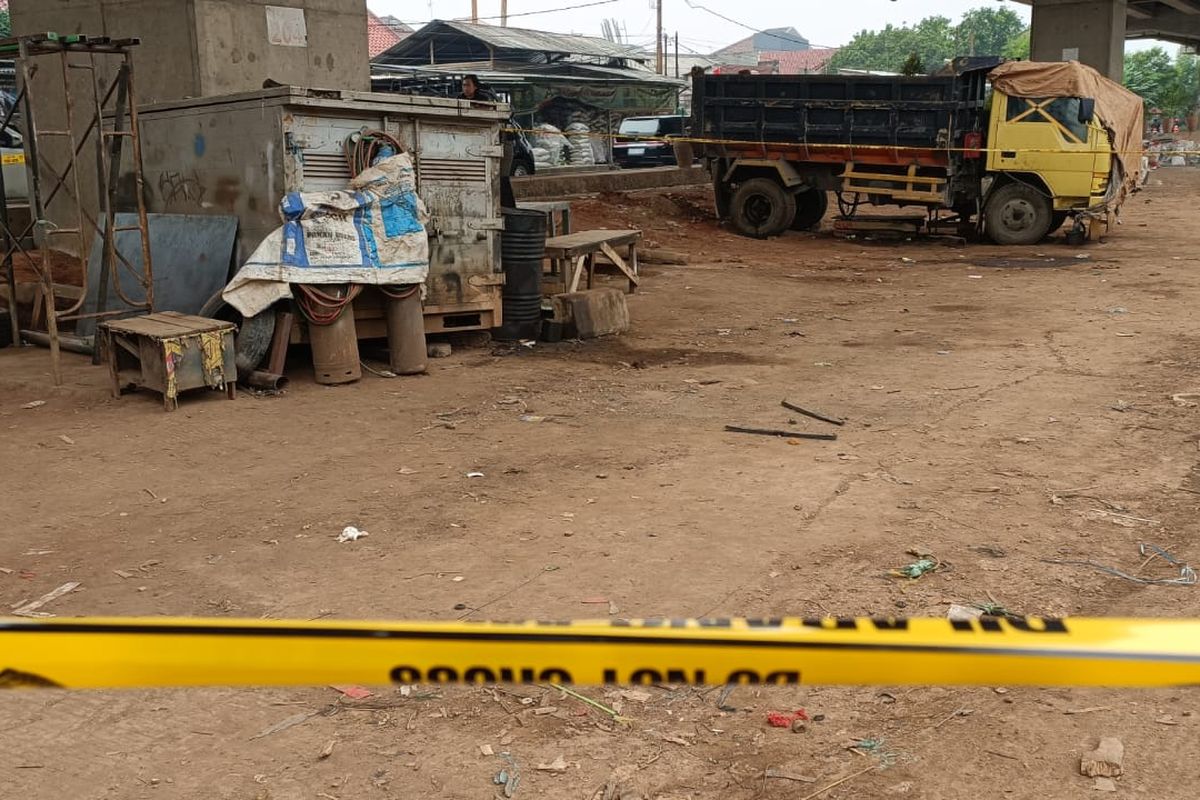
[{"x": 169, "y": 353}]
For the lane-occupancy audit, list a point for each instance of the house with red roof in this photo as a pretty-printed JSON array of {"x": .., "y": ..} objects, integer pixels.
[
  {"x": 383, "y": 33},
  {"x": 778, "y": 51}
]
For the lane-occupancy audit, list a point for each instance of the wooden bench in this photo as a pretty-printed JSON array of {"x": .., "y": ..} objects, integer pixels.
[
  {"x": 576, "y": 253},
  {"x": 169, "y": 353}
]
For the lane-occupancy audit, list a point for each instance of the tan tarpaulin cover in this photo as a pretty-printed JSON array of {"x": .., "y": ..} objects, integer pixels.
[{"x": 1118, "y": 109}]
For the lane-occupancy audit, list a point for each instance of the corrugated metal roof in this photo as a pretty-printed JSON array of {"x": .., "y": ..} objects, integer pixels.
[
  {"x": 514, "y": 39},
  {"x": 544, "y": 41}
]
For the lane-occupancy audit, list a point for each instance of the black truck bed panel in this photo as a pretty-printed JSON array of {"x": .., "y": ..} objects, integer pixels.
[{"x": 925, "y": 112}]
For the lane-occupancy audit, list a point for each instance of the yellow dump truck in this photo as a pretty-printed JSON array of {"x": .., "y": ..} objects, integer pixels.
[{"x": 1013, "y": 149}]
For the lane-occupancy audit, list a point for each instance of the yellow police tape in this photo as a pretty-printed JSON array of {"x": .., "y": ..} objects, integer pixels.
[
  {"x": 777, "y": 146},
  {"x": 170, "y": 652}
]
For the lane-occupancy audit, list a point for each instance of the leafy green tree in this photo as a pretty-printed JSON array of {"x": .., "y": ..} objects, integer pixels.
[
  {"x": 888, "y": 49},
  {"x": 1150, "y": 73},
  {"x": 935, "y": 40},
  {"x": 1017, "y": 47},
  {"x": 1185, "y": 93},
  {"x": 913, "y": 66},
  {"x": 986, "y": 31}
]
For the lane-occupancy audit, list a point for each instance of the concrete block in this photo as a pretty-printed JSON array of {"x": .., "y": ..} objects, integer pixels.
[
  {"x": 556, "y": 185},
  {"x": 592, "y": 313}
]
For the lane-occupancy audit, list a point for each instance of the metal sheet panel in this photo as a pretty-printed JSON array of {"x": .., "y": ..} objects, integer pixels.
[{"x": 191, "y": 256}]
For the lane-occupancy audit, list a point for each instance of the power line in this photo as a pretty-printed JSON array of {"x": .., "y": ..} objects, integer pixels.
[
  {"x": 774, "y": 34},
  {"x": 520, "y": 13}
]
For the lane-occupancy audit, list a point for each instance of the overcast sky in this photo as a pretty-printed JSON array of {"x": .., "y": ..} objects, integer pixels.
[{"x": 822, "y": 22}]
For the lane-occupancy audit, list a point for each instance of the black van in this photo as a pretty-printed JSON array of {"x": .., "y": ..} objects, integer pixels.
[{"x": 639, "y": 141}]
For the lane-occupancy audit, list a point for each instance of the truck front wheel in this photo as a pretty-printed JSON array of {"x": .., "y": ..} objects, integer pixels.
[
  {"x": 1018, "y": 214},
  {"x": 761, "y": 207}
]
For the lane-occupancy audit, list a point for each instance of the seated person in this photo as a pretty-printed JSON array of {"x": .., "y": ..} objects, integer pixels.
[{"x": 471, "y": 90}]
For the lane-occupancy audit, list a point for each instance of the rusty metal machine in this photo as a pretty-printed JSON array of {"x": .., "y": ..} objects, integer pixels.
[{"x": 240, "y": 154}]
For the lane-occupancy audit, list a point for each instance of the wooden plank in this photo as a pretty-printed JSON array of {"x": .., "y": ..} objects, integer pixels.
[
  {"x": 577, "y": 269},
  {"x": 620, "y": 264},
  {"x": 574, "y": 244},
  {"x": 167, "y": 325}
]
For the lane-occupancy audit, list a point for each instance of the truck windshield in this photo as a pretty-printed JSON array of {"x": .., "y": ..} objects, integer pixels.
[
  {"x": 1061, "y": 110},
  {"x": 639, "y": 127}
]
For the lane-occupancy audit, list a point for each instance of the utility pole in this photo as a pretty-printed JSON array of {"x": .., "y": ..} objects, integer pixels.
[
  {"x": 661, "y": 60},
  {"x": 503, "y": 13},
  {"x": 474, "y": 10},
  {"x": 676, "y": 54}
]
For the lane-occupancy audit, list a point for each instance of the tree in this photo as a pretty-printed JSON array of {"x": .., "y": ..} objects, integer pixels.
[
  {"x": 1151, "y": 74},
  {"x": 1185, "y": 92},
  {"x": 935, "y": 40},
  {"x": 912, "y": 66},
  {"x": 1171, "y": 87},
  {"x": 1017, "y": 47},
  {"x": 931, "y": 40},
  {"x": 987, "y": 31},
  {"x": 5, "y": 24}
]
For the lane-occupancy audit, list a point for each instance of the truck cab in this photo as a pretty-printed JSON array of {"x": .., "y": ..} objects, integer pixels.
[{"x": 1054, "y": 147}]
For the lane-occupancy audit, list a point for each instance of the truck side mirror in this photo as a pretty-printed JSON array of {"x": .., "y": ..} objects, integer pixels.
[{"x": 1087, "y": 109}]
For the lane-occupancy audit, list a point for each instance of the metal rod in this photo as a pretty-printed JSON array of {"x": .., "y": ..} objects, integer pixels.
[
  {"x": 814, "y": 414},
  {"x": 39, "y": 212},
  {"x": 824, "y": 437},
  {"x": 266, "y": 381},
  {"x": 106, "y": 199},
  {"x": 139, "y": 183},
  {"x": 10, "y": 270},
  {"x": 72, "y": 344},
  {"x": 76, "y": 146},
  {"x": 95, "y": 314}
]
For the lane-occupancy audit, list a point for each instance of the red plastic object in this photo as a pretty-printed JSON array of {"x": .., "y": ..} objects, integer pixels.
[{"x": 782, "y": 719}]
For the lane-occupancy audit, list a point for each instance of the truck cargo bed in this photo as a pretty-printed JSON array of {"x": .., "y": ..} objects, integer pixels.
[{"x": 925, "y": 113}]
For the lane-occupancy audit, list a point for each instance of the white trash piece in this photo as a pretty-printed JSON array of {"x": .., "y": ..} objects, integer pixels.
[{"x": 351, "y": 534}]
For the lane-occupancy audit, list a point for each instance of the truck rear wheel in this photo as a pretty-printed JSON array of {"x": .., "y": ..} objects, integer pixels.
[
  {"x": 811, "y": 206},
  {"x": 1018, "y": 214},
  {"x": 761, "y": 207}
]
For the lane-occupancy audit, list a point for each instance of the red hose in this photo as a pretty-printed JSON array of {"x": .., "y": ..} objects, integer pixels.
[{"x": 322, "y": 308}]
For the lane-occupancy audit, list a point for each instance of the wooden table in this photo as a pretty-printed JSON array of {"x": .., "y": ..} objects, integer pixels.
[
  {"x": 551, "y": 207},
  {"x": 169, "y": 353},
  {"x": 577, "y": 252}
]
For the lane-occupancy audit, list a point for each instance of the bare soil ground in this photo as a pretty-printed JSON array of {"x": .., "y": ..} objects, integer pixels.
[{"x": 975, "y": 390}]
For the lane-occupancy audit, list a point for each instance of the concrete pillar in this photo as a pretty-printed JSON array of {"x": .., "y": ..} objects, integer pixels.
[{"x": 1090, "y": 31}]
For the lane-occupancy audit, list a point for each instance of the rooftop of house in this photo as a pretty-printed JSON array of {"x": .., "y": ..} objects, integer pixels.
[
  {"x": 383, "y": 33},
  {"x": 798, "y": 62},
  {"x": 772, "y": 39}
]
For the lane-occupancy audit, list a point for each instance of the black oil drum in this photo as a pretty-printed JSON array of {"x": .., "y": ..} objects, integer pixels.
[{"x": 522, "y": 251}]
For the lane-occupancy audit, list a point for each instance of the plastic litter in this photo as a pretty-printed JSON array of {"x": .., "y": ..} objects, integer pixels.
[
  {"x": 784, "y": 719},
  {"x": 351, "y": 534}
]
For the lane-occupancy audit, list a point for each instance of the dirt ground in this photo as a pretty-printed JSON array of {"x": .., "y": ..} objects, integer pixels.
[{"x": 979, "y": 384}]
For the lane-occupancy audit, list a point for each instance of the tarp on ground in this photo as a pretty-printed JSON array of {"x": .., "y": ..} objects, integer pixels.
[
  {"x": 1119, "y": 110},
  {"x": 371, "y": 233}
]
